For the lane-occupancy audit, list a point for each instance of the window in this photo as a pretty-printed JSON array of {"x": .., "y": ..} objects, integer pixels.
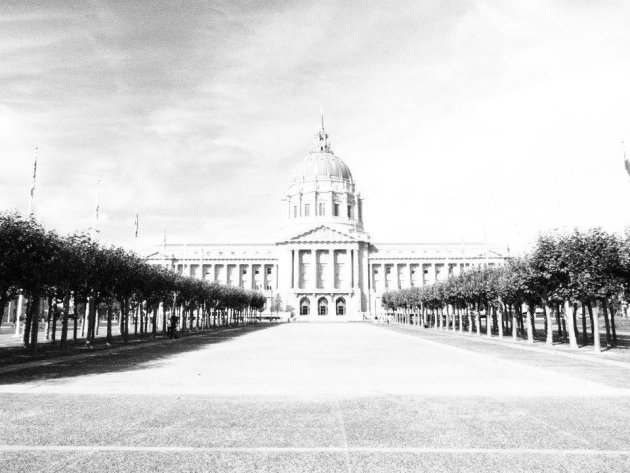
[
  {"x": 322, "y": 208},
  {"x": 336, "y": 210},
  {"x": 322, "y": 306},
  {"x": 388, "y": 270},
  {"x": 305, "y": 306},
  {"x": 341, "y": 306},
  {"x": 295, "y": 211},
  {"x": 307, "y": 210},
  {"x": 269, "y": 270},
  {"x": 244, "y": 270},
  {"x": 349, "y": 211},
  {"x": 257, "y": 271},
  {"x": 268, "y": 287}
]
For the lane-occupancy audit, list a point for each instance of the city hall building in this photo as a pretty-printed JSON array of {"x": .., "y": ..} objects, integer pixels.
[{"x": 324, "y": 264}]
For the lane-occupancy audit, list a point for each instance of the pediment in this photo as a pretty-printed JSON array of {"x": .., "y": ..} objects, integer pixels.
[{"x": 322, "y": 233}]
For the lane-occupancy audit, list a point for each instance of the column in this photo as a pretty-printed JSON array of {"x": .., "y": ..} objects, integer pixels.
[
  {"x": 314, "y": 268},
  {"x": 362, "y": 257},
  {"x": 296, "y": 269},
  {"x": 355, "y": 268},
  {"x": 408, "y": 275},
  {"x": 276, "y": 275},
  {"x": 331, "y": 269},
  {"x": 348, "y": 268},
  {"x": 250, "y": 268}
]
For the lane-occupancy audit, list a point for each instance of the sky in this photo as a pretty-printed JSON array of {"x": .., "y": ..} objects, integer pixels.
[{"x": 460, "y": 121}]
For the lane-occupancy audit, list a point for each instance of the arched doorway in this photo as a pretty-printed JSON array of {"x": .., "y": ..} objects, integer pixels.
[
  {"x": 341, "y": 306},
  {"x": 322, "y": 306},
  {"x": 305, "y": 306}
]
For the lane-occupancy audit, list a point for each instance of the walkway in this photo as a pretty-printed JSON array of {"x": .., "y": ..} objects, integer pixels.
[{"x": 317, "y": 397}]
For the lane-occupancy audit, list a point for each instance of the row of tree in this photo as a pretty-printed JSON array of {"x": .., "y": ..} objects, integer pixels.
[
  {"x": 42, "y": 267},
  {"x": 562, "y": 274}
]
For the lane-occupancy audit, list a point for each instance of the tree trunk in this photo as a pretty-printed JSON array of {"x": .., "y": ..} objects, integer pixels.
[
  {"x": 108, "y": 336},
  {"x": 548, "y": 325},
  {"x": 55, "y": 315},
  {"x": 146, "y": 320},
  {"x": 488, "y": 321},
  {"x": 64, "y": 321},
  {"x": 28, "y": 320},
  {"x": 569, "y": 319},
  {"x": 48, "y": 317},
  {"x": 137, "y": 314},
  {"x": 606, "y": 321},
  {"x": 93, "y": 315},
  {"x": 514, "y": 323},
  {"x": 163, "y": 319},
  {"x": 477, "y": 321},
  {"x": 574, "y": 315},
  {"x": 531, "y": 313},
  {"x": 584, "y": 334},
  {"x": 35, "y": 310},
  {"x": 595, "y": 327},
  {"x": 3, "y": 302},
  {"x": 154, "y": 322},
  {"x": 612, "y": 327},
  {"x": 75, "y": 327},
  {"x": 126, "y": 320}
]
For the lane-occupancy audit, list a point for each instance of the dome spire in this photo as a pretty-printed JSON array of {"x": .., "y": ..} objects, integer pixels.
[
  {"x": 321, "y": 112},
  {"x": 322, "y": 142}
]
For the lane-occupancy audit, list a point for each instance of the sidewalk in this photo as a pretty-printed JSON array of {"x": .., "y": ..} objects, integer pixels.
[
  {"x": 13, "y": 356},
  {"x": 619, "y": 356}
]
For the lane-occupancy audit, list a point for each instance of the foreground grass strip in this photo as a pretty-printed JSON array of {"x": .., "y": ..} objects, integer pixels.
[{"x": 419, "y": 450}]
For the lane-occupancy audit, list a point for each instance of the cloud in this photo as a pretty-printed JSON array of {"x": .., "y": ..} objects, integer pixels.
[{"x": 457, "y": 119}]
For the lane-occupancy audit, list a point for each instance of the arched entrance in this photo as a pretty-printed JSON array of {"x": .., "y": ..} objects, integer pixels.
[
  {"x": 341, "y": 306},
  {"x": 322, "y": 306},
  {"x": 305, "y": 306}
]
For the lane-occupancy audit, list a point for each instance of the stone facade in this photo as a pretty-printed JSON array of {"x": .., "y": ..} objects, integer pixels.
[{"x": 324, "y": 264}]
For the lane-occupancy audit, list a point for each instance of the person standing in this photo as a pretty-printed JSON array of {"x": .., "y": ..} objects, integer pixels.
[{"x": 172, "y": 330}]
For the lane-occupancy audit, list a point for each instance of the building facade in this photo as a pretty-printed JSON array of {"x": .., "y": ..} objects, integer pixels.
[{"x": 324, "y": 265}]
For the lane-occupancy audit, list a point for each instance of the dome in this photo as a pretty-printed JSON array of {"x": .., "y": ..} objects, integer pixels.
[{"x": 322, "y": 165}]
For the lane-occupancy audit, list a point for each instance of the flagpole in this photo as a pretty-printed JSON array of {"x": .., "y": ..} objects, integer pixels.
[
  {"x": 96, "y": 209},
  {"x": 135, "y": 244},
  {"x": 31, "y": 215},
  {"x": 31, "y": 201}
]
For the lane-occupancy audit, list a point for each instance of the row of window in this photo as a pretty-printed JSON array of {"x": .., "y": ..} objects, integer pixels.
[
  {"x": 257, "y": 271},
  {"x": 321, "y": 210}
]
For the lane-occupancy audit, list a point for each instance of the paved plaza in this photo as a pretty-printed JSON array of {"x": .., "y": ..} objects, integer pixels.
[{"x": 318, "y": 397}]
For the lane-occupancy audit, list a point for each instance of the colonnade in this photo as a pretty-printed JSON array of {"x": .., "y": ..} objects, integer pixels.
[
  {"x": 220, "y": 272},
  {"x": 412, "y": 274},
  {"x": 315, "y": 274}
]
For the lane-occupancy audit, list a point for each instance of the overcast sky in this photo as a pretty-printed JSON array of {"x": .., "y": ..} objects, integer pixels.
[{"x": 466, "y": 120}]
